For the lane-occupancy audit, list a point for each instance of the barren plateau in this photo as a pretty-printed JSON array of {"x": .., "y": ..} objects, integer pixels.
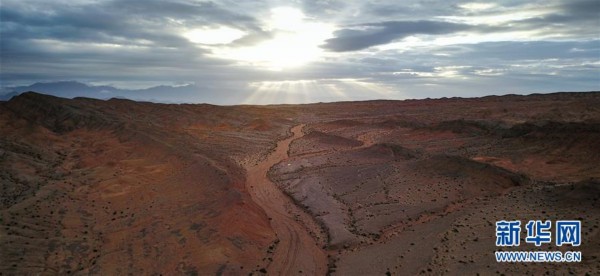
[{"x": 350, "y": 188}]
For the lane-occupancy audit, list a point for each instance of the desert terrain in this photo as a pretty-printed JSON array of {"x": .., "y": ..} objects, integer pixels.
[{"x": 350, "y": 188}]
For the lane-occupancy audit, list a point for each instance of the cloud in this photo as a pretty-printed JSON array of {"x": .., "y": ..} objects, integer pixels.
[
  {"x": 572, "y": 19},
  {"x": 368, "y": 35},
  {"x": 114, "y": 40},
  {"x": 411, "y": 9},
  {"x": 491, "y": 67},
  {"x": 434, "y": 47},
  {"x": 119, "y": 22},
  {"x": 515, "y": 52},
  {"x": 325, "y": 8}
]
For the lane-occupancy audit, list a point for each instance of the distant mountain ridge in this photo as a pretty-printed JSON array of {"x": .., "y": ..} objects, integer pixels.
[{"x": 72, "y": 89}]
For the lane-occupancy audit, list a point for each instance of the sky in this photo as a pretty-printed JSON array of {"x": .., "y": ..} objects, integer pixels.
[{"x": 306, "y": 51}]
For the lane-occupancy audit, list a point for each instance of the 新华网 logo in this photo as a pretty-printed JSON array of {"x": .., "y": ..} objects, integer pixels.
[{"x": 566, "y": 232}]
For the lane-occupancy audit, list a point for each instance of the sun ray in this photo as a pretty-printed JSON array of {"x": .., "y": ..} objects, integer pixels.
[{"x": 307, "y": 91}]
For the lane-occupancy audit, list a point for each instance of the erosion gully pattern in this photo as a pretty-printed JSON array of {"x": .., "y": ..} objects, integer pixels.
[
  {"x": 296, "y": 250},
  {"x": 354, "y": 188}
]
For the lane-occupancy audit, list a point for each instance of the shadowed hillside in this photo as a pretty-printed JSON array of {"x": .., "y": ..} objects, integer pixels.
[{"x": 117, "y": 187}]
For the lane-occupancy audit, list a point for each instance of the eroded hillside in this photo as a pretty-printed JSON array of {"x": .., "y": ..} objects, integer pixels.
[
  {"x": 369, "y": 188},
  {"x": 119, "y": 187},
  {"x": 416, "y": 187}
]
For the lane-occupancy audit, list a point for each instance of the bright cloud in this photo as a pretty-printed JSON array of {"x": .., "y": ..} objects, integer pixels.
[
  {"x": 296, "y": 42},
  {"x": 220, "y": 35}
]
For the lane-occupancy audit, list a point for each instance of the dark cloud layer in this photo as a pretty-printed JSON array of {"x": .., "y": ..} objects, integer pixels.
[
  {"x": 577, "y": 17},
  {"x": 122, "y": 22},
  {"x": 367, "y": 35},
  {"x": 111, "y": 40}
]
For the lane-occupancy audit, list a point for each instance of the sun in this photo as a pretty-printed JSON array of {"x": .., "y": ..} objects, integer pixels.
[{"x": 295, "y": 42}]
